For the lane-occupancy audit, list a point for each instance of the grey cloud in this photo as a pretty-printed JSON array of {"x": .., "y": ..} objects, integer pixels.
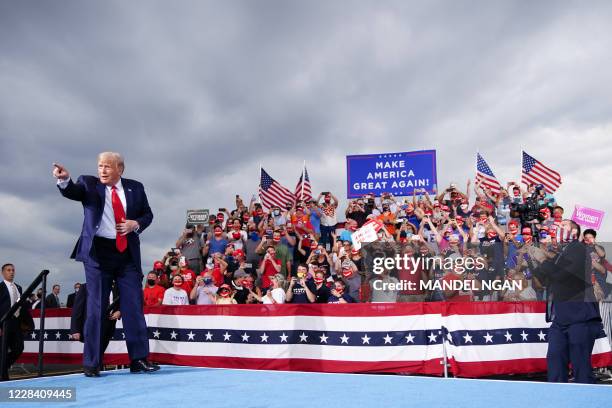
[{"x": 196, "y": 94}]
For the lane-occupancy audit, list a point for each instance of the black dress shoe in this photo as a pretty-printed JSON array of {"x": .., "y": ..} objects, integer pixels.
[
  {"x": 142, "y": 365},
  {"x": 91, "y": 372}
]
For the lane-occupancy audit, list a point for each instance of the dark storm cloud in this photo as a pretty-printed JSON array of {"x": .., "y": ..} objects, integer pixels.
[{"x": 197, "y": 95}]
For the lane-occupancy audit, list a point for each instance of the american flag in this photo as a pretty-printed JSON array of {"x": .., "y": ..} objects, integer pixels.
[
  {"x": 303, "y": 190},
  {"x": 272, "y": 193},
  {"x": 485, "y": 176},
  {"x": 534, "y": 172}
]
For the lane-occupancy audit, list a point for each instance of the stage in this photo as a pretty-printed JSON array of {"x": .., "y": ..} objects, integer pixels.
[{"x": 206, "y": 387}]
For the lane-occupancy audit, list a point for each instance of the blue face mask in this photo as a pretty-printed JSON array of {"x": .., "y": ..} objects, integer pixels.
[{"x": 254, "y": 236}]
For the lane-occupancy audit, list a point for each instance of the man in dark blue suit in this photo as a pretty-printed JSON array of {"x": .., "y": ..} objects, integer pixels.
[
  {"x": 116, "y": 213},
  {"x": 574, "y": 312}
]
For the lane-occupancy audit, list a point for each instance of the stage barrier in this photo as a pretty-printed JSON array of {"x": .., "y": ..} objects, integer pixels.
[{"x": 476, "y": 339}]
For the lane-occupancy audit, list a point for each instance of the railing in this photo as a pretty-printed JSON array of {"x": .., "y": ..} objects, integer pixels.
[{"x": 41, "y": 279}]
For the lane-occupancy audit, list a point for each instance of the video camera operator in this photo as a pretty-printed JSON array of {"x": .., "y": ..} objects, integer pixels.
[{"x": 529, "y": 210}]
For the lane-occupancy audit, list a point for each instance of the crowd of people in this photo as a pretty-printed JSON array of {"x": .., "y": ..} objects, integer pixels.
[{"x": 300, "y": 253}]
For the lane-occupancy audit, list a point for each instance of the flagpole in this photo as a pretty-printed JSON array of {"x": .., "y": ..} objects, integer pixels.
[{"x": 302, "y": 186}]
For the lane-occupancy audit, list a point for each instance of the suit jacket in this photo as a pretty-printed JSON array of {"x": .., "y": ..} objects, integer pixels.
[
  {"x": 24, "y": 318},
  {"x": 568, "y": 281},
  {"x": 70, "y": 300},
  {"x": 51, "y": 301},
  {"x": 79, "y": 310},
  {"x": 91, "y": 193}
]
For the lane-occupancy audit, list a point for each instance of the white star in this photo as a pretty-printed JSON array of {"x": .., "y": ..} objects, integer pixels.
[
  {"x": 226, "y": 336},
  {"x": 58, "y": 335},
  {"x": 284, "y": 338},
  {"x": 323, "y": 338},
  {"x": 508, "y": 336},
  {"x": 524, "y": 335},
  {"x": 123, "y": 334},
  {"x": 208, "y": 336},
  {"x": 467, "y": 338},
  {"x": 33, "y": 335},
  {"x": 264, "y": 337},
  {"x": 388, "y": 339},
  {"x": 173, "y": 335},
  {"x": 303, "y": 337},
  {"x": 156, "y": 334},
  {"x": 432, "y": 338},
  {"x": 46, "y": 335},
  {"x": 488, "y": 338},
  {"x": 449, "y": 337},
  {"x": 541, "y": 335},
  {"x": 344, "y": 339},
  {"x": 366, "y": 339},
  {"x": 245, "y": 337},
  {"x": 409, "y": 338},
  {"x": 191, "y": 335}
]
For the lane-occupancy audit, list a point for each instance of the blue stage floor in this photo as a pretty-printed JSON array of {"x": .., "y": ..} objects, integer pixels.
[{"x": 174, "y": 386}]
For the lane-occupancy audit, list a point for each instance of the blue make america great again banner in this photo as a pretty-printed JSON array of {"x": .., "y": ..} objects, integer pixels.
[{"x": 397, "y": 173}]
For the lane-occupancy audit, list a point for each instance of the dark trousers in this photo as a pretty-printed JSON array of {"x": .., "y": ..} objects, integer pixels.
[
  {"x": 107, "y": 265},
  {"x": 571, "y": 343},
  {"x": 326, "y": 235},
  {"x": 14, "y": 343}
]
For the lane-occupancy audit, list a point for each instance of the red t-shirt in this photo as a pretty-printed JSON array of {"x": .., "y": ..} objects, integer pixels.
[
  {"x": 406, "y": 274},
  {"x": 460, "y": 296},
  {"x": 153, "y": 296},
  {"x": 268, "y": 271},
  {"x": 189, "y": 278},
  {"x": 217, "y": 276}
]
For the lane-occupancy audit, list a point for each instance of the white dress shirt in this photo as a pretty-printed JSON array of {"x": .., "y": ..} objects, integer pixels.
[
  {"x": 13, "y": 291},
  {"x": 107, "y": 227}
]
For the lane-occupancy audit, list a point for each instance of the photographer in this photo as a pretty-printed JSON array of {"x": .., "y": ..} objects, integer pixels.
[
  {"x": 529, "y": 211},
  {"x": 301, "y": 289},
  {"x": 204, "y": 293},
  {"x": 191, "y": 247}
]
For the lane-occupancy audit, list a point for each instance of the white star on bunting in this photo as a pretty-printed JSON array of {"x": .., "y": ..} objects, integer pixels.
[
  {"x": 283, "y": 338},
  {"x": 388, "y": 339},
  {"x": 366, "y": 339},
  {"x": 508, "y": 336},
  {"x": 344, "y": 339},
  {"x": 226, "y": 336},
  {"x": 209, "y": 336},
  {"x": 323, "y": 338},
  {"x": 173, "y": 334},
  {"x": 303, "y": 337},
  {"x": 156, "y": 334},
  {"x": 409, "y": 338},
  {"x": 264, "y": 338},
  {"x": 191, "y": 335},
  {"x": 467, "y": 338},
  {"x": 488, "y": 338}
]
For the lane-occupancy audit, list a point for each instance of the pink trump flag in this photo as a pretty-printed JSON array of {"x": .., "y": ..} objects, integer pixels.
[{"x": 588, "y": 217}]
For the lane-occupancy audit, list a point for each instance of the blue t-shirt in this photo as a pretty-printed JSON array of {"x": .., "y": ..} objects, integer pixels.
[
  {"x": 315, "y": 220},
  {"x": 346, "y": 236},
  {"x": 335, "y": 299},
  {"x": 299, "y": 293},
  {"x": 217, "y": 246}
]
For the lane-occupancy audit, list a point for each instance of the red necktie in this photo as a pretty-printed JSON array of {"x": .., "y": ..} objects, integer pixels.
[{"x": 121, "y": 241}]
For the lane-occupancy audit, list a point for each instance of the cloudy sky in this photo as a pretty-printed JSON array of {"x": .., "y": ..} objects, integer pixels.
[{"x": 196, "y": 94}]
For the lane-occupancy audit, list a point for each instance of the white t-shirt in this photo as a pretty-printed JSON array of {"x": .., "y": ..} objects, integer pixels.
[
  {"x": 278, "y": 294},
  {"x": 175, "y": 297}
]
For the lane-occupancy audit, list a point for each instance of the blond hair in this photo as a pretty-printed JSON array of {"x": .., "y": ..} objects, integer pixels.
[{"x": 116, "y": 158}]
